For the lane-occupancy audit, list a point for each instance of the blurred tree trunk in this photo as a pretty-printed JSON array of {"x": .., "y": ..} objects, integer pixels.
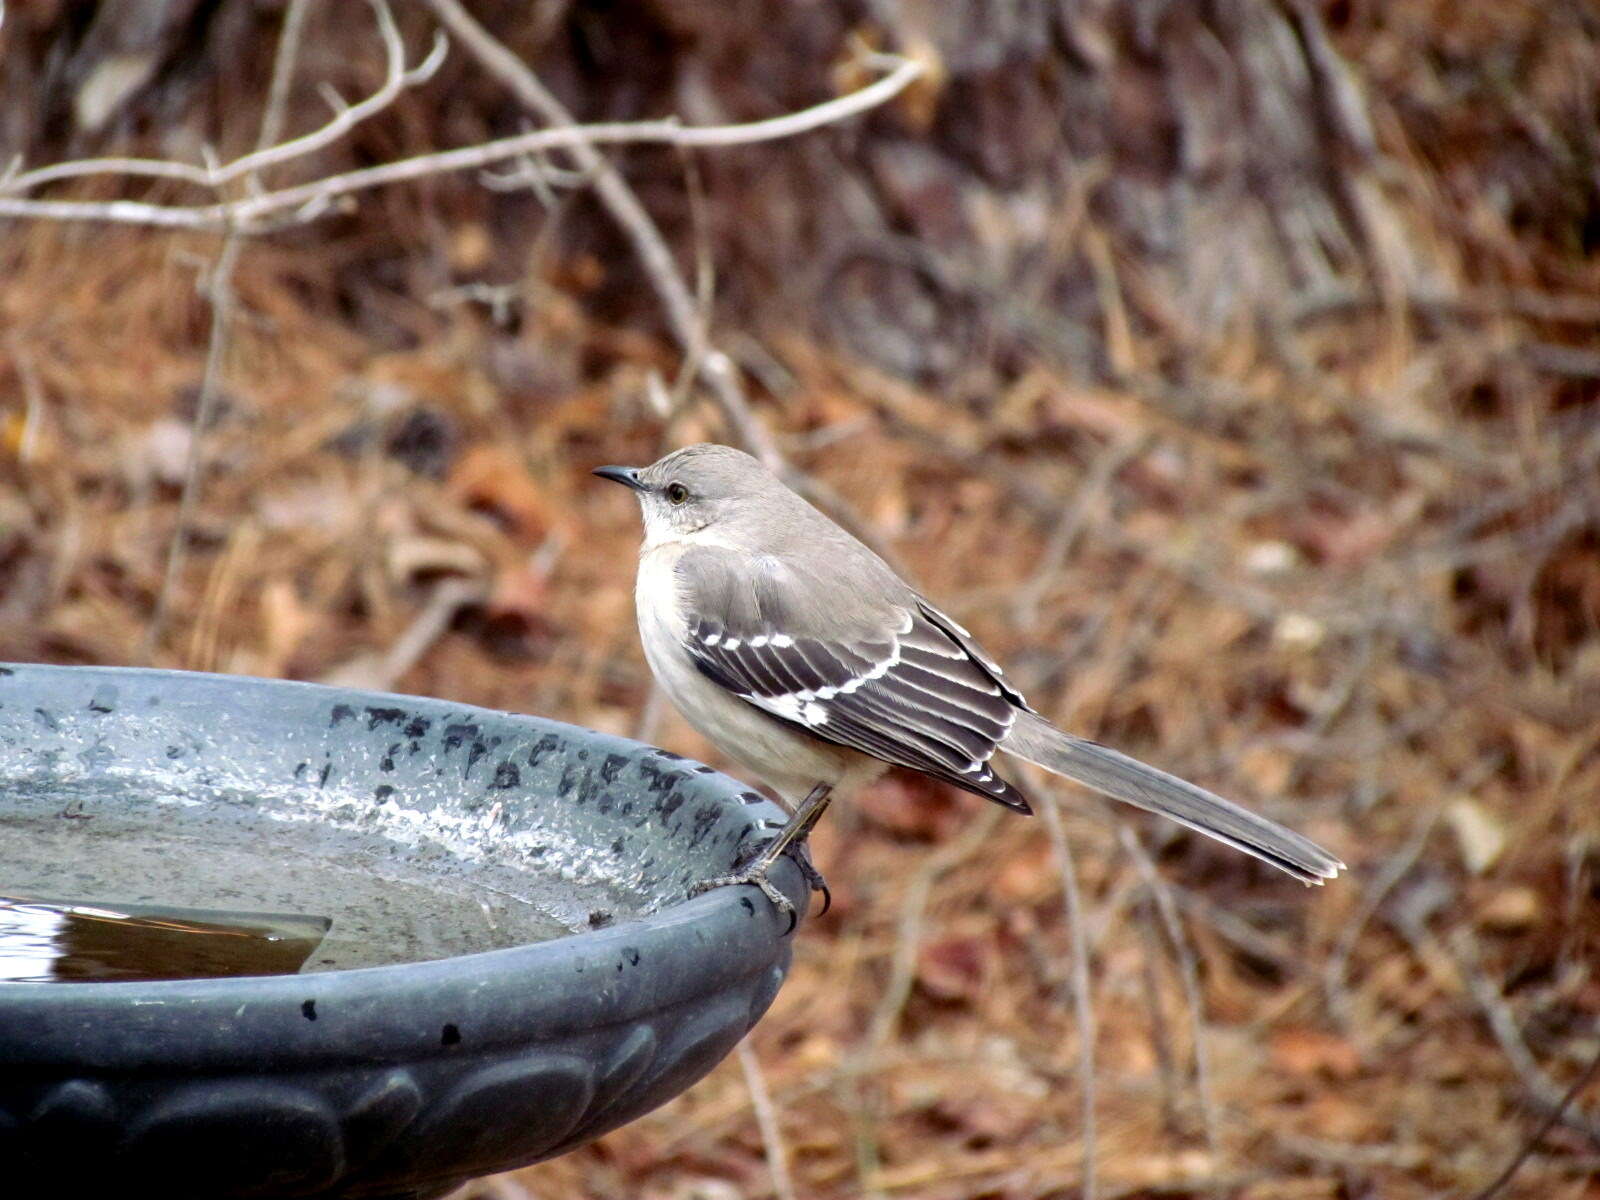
[
  {"x": 1075, "y": 174},
  {"x": 1075, "y": 178}
]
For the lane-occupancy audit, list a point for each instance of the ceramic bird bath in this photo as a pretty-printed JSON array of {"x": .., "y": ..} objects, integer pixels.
[{"x": 510, "y": 967}]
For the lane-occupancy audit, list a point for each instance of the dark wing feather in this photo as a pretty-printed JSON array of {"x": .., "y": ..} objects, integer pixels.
[{"x": 916, "y": 694}]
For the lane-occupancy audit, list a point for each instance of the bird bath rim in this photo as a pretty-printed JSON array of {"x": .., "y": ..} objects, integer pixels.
[
  {"x": 727, "y": 908},
  {"x": 398, "y": 1080}
]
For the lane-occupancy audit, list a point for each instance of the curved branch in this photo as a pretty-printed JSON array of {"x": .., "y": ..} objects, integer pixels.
[
  {"x": 307, "y": 202},
  {"x": 398, "y": 78}
]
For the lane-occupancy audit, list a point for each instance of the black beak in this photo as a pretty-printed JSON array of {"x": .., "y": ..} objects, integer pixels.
[{"x": 627, "y": 476}]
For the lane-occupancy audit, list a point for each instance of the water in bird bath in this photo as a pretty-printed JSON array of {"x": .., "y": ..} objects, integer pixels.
[
  {"x": 192, "y": 882},
  {"x": 46, "y": 941}
]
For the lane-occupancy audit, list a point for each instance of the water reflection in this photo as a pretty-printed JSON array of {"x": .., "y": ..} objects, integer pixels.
[{"x": 45, "y": 941}]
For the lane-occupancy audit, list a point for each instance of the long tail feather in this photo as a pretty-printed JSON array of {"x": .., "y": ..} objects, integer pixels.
[{"x": 1129, "y": 780}]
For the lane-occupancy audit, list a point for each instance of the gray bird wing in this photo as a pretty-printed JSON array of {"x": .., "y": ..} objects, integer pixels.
[{"x": 861, "y": 663}]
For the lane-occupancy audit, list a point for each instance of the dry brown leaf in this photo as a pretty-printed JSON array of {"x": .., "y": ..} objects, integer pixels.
[
  {"x": 1301, "y": 1050},
  {"x": 912, "y": 806},
  {"x": 955, "y": 968},
  {"x": 1267, "y": 768},
  {"x": 491, "y": 479},
  {"x": 1028, "y": 877}
]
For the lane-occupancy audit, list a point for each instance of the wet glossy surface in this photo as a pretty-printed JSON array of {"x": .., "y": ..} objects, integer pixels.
[
  {"x": 160, "y": 842},
  {"x": 44, "y": 941}
]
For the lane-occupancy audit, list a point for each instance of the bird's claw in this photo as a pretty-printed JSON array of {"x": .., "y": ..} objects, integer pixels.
[
  {"x": 755, "y": 872},
  {"x": 801, "y": 853}
]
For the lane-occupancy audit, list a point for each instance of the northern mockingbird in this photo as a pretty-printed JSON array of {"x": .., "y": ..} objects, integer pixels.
[{"x": 801, "y": 654}]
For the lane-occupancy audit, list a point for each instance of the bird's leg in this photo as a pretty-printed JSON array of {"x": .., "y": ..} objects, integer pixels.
[
  {"x": 799, "y": 826},
  {"x": 791, "y": 840}
]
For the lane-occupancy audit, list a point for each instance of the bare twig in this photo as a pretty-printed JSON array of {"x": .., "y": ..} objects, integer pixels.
[
  {"x": 1160, "y": 1029},
  {"x": 1397, "y": 1157},
  {"x": 1082, "y": 998},
  {"x": 219, "y": 289},
  {"x": 1065, "y": 535},
  {"x": 1459, "y": 955},
  {"x": 767, "y": 1122},
  {"x": 1463, "y": 948},
  {"x": 535, "y": 174},
  {"x": 268, "y": 152},
  {"x": 1587, "y": 1077},
  {"x": 683, "y": 316},
  {"x": 1188, "y": 974},
  {"x": 382, "y": 670},
  {"x": 32, "y": 397},
  {"x": 307, "y": 202},
  {"x": 705, "y": 285},
  {"x": 1336, "y": 970},
  {"x": 1241, "y": 933},
  {"x": 651, "y": 714},
  {"x": 1332, "y": 705},
  {"x": 903, "y": 965},
  {"x": 1555, "y": 307},
  {"x": 283, "y": 69},
  {"x": 716, "y": 370},
  {"x": 856, "y": 1068}
]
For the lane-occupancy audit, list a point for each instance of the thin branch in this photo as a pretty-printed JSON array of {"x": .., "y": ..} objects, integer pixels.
[
  {"x": 33, "y": 397},
  {"x": 651, "y": 714},
  {"x": 716, "y": 370},
  {"x": 903, "y": 962},
  {"x": 683, "y": 315},
  {"x": 1160, "y": 1029},
  {"x": 1336, "y": 970},
  {"x": 1460, "y": 953},
  {"x": 288, "y": 60},
  {"x": 1555, "y": 1114},
  {"x": 856, "y": 1068},
  {"x": 1082, "y": 997},
  {"x": 1240, "y": 934},
  {"x": 1340, "y": 299},
  {"x": 219, "y": 289},
  {"x": 767, "y": 1122},
  {"x": 308, "y": 202},
  {"x": 535, "y": 174},
  {"x": 705, "y": 284},
  {"x": 1462, "y": 947},
  {"x": 380, "y": 671},
  {"x": 266, "y": 154},
  {"x": 1064, "y": 537},
  {"x": 613, "y": 190},
  {"x": 1189, "y": 975}
]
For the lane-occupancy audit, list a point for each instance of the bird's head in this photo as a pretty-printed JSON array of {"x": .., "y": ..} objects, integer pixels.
[{"x": 696, "y": 491}]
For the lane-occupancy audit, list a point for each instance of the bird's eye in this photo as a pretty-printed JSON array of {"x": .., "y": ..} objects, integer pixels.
[{"x": 677, "y": 493}]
